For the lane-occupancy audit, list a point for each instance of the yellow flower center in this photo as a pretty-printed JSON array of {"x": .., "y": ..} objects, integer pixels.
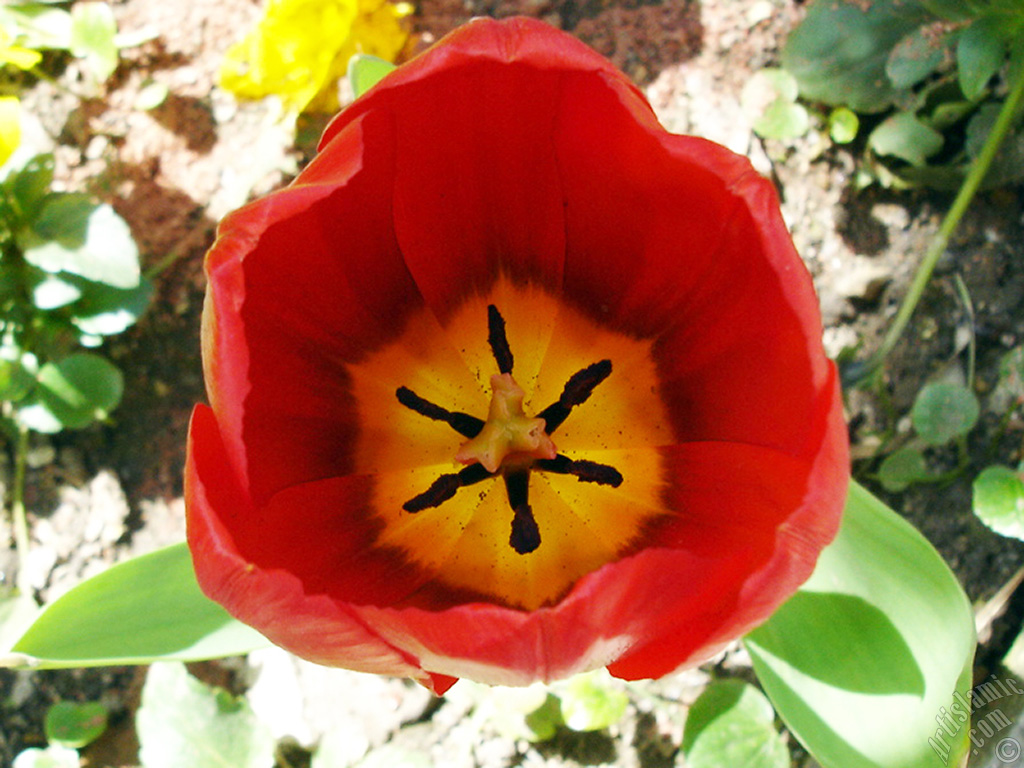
[{"x": 515, "y": 525}]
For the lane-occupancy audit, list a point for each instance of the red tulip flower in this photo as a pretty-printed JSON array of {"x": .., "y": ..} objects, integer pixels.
[{"x": 510, "y": 384}]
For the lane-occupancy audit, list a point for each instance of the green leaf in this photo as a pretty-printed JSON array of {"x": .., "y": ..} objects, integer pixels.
[
  {"x": 944, "y": 410},
  {"x": 1008, "y": 164},
  {"x": 73, "y": 234},
  {"x": 183, "y": 723},
  {"x": 999, "y": 500},
  {"x": 862, "y": 659},
  {"x": 15, "y": 380},
  {"x": 953, "y": 10},
  {"x": 17, "y": 612},
  {"x": 543, "y": 722},
  {"x": 365, "y": 71},
  {"x": 916, "y": 56},
  {"x": 904, "y": 136},
  {"x": 151, "y": 95},
  {"x": 93, "y": 30},
  {"x": 147, "y": 609},
  {"x": 104, "y": 310},
  {"x": 52, "y": 292},
  {"x": 839, "y": 52},
  {"x": 732, "y": 724},
  {"x": 769, "y": 98},
  {"x": 520, "y": 713},
  {"x": 901, "y": 469},
  {"x": 80, "y": 389},
  {"x": 843, "y": 125},
  {"x": 30, "y": 185},
  {"x": 592, "y": 702},
  {"x": 979, "y": 54},
  {"x": 73, "y": 724},
  {"x": 37, "y": 25}
]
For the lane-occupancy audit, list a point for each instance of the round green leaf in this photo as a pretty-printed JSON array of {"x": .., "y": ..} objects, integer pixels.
[
  {"x": 904, "y": 136},
  {"x": 152, "y": 94},
  {"x": 73, "y": 234},
  {"x": 73, "y": 724},
  {"x": 916, "y": 56},
  {"x": 15, "y": 381},
  {"x": 104, "y": 310},
  {"x": 732, "y": 723},
  {"x": 902, "y": 468},
  {"x": 365, "y": 71},
  {"x": 999, "y": 500},
  {"x": 769, "y": 98},
  {"x": 839, "y": 52},
  {"x": 1008, "y": 165},
  {"x": 31, "y": 184},
  {"x": 183, "y": 723},
  {"x": 80, "y": 389},
  {"x": 944, "y": 410},
  {"x": 979, "y": 54},
  {"x": 543, "y": 722},
  {"x": 93, "y": 29},
  {"x": 53, "y": 292},
  {"x": 592, "y": 702},
  {"x": 843, "y": 125},
  {"x": 878, "y": 641}
]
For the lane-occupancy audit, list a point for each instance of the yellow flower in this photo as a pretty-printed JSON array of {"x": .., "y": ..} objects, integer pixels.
[
  {"x": 300, "y": 48},
  {"x": 10, "y": 126}
]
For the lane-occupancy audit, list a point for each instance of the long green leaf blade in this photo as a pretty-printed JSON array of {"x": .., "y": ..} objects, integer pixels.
[
  {"x": 864, "y": 661},
  {"x": 147, "y": 609}
]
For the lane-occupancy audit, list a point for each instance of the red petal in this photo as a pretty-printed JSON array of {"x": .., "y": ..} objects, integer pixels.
[
  {"x": 295, "y": 292},
  {"x": 273, "y": 600}
]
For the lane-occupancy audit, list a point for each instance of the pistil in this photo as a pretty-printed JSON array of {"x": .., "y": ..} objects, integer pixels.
[
  {"x": 509, "y": 442},
  {"x": 508, "y": 433}
]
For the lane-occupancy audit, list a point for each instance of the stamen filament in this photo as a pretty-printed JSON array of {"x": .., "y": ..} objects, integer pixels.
[
  {"x": 577, "y": 390},
  {"x": 585, "y": 471},
  {"x": 498, "y": 340},
  {"x": 463, "y": 423},
  {"x": 445, "y": 487},
  {"x": 525, "y": 534}
]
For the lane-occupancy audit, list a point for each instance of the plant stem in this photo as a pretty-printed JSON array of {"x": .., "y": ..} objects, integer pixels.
[
  {"x": 18, "y": 520},
  {"x": 968, "y": 189}
]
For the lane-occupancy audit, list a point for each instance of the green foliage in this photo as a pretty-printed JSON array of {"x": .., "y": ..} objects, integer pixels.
[
  {"x": 944, "y": 411},
  {"x": 732, "y": 723},
  {"x": 147, "y": 609},
  {"x": 843, "y": 125},
  {"x": 770, "y": 97},
  {"x": 861, "y": 659},
  {"x": 184, "y": 723},
  {"x": 935, "y": 66},
  {"x": 592, "y": 702},
  {"x": 88, "y": 31},
  {"x": 903, "y": 468},
  {"x": 365, "y": 71},
  {"x": 73, "y": 724},
  {"x": 70, "y": 275},
  {"x": 999, "y": 500}
]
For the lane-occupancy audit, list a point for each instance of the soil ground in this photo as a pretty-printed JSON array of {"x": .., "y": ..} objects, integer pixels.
[{"x": 105, "y": 494}]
